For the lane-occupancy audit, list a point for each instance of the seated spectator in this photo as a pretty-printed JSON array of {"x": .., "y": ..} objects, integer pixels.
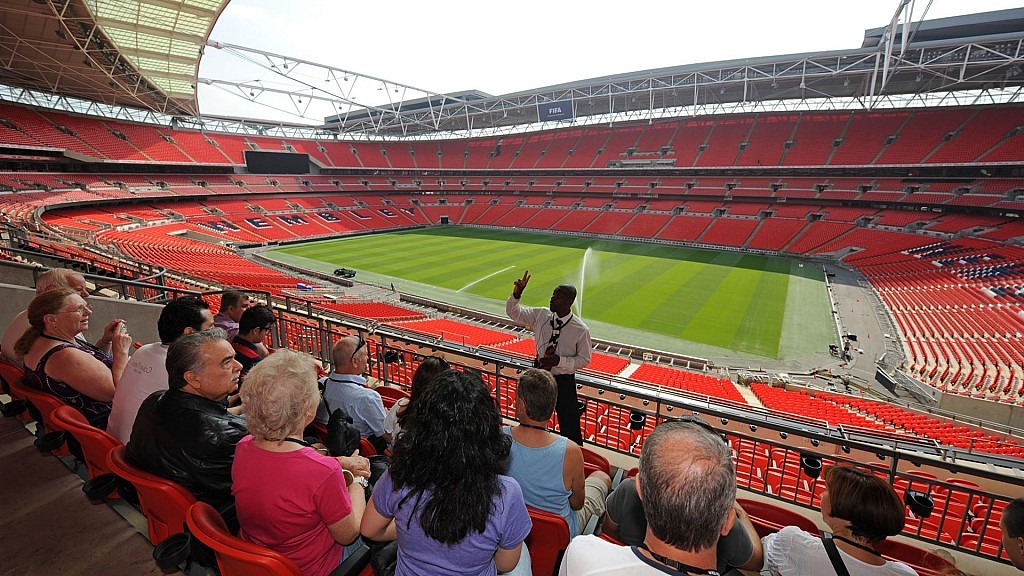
[
  {"x": 288, "y": 496},
  {"x": 1012, "y": 526},
  {"x": 861, "y": 510},
  {"x": 688, "y": 486},
  {"x": 345, "y": 387},
  {"x": 625, "y": 521},
  {"x": 548, "y": 467},
  {"x": 232, "y": 304},
  {"x": 186, "y": 433},
  {"x": 49, "y": 280},
  {"x": 445, "y": 498},
  {"x": 145, "y": 372},
  {"x": 77, "y": 372},
  {"x": 425, "y": 374},
  {"x": 254, "y": 326}
]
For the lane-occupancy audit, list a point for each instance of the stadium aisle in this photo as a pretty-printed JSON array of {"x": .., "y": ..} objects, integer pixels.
[{"x": 48, "y": 525}]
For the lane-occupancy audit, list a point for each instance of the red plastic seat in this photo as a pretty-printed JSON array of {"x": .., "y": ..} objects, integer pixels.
[
  {"x": 547, "y": 541},
  {"x": 923, "y": 562},
  {"x": 366, "y": 449},
  {"x": 45, "y": 403},
  {"x": 12, "y": 373},
  {"x": 768, "y": 518},
  {"x": 389, "y": 395},
  {"x": 592, "y": 462},
  {"x": 164, "y": 502},
  {"x": 96, "y": 443},
  {"x": 235, "y": 556}
]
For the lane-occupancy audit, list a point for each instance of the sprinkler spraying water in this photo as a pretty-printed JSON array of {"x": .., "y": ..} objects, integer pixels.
[{"x": 583, "y": 277}]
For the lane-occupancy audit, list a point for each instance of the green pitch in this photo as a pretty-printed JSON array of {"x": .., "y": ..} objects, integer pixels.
[{"x": 727, "y": 300}]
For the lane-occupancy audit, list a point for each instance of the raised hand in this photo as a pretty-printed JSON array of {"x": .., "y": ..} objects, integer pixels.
[
  {"x": 121, "y": 340},
  {"x": 520, "y": 285}
]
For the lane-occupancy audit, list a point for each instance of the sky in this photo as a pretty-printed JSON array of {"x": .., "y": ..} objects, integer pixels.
[{"x": 507, "y": 47}]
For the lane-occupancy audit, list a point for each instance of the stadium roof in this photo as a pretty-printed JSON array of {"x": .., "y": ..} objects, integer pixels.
[
  {"x": 971, "y": 53},
  {"x": 144, "y": 55},
  {"x": 138, "y": 53}
]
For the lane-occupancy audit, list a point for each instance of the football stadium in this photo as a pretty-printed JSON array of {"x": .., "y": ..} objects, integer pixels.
[{"x": 820, "y": 255}]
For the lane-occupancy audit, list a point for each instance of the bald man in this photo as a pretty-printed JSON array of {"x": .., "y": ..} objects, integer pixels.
[{"x": 345, "y": 387}]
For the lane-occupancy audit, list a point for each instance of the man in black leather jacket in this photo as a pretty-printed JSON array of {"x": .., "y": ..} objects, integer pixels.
[{"x": 186, "y": 433}]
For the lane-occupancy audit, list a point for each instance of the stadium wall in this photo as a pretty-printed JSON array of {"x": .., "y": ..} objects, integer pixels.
[
  {"x": 998, "y": 412},
  {"x": 141, "y": 316}
]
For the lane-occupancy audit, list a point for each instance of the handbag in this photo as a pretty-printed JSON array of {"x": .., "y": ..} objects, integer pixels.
[{"x": 342, "y": 435}]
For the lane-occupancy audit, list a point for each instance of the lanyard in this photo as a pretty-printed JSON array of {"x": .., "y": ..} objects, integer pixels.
[{"x": 679, "y": 566}]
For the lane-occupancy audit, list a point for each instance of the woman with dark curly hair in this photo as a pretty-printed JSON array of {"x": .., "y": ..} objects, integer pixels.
[
  {"x": 445, "y": 498},
  {"x": 861, "y": 510}
]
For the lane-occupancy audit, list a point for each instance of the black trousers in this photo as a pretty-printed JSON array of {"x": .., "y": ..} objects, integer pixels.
[{"x": 567, "y": 408}]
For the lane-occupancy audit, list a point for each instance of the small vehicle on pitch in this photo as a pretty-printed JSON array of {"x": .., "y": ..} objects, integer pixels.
[{"x": 344, "y": 272}]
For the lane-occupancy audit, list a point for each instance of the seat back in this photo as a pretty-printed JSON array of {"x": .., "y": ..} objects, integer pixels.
[
  {"x": 366, "y": 449},
  {"x": 389, "y": 395},
  {"x": 235, "y": 556},
  {"x": 547, "y": 541},
  {"x": 44, "y": 402},
  {"x": 164, "y": 502},
  {"x": 95, "y": 443},
  {"x": 592, "y": 461},
  {"x": 768, "y": 518},
  {"x": 923, "y": 562},
  {"x": 10, "y": 373}
]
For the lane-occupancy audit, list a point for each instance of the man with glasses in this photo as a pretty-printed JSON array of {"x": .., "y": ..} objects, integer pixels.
[
  {"x": 345, "y": 387},
  {"x": 563, "y": 347},
  {"x": 254, "y": 326}
]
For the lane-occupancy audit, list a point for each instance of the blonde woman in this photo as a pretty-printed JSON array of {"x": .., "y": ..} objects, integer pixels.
[{"x": 290, "y": 497}]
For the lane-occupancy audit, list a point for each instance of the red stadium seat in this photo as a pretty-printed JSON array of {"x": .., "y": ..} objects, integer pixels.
[
  {"x": 164, "y": 503},
  {"x": 768, "y": 518},
  {"x": 96, "y": 443},
  {"x": 547, "y": 541},
  {"x": 235, "y": 557},
  {"x": 390, "y": 395},
  {"x": 45, "y": 403},
  {"x": 592, "y": 462}
]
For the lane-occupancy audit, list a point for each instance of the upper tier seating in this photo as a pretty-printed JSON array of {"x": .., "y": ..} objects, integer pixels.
[{"x": 948, "y": 135}]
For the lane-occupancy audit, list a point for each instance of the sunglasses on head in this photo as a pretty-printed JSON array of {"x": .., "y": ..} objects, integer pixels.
[{"x": 362, "y": 342}]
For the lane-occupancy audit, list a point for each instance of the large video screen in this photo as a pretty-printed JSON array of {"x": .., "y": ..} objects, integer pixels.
[{"x": 263, "y": 162}]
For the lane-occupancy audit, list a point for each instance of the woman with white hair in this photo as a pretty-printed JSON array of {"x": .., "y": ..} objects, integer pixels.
[{"x": 290, "y": 497}]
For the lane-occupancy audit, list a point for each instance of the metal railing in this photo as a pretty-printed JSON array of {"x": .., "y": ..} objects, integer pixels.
[{"x": 618, "y": 413}]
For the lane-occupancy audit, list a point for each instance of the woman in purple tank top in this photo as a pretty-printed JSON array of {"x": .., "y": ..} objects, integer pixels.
[{"x": 78, "y": 373}]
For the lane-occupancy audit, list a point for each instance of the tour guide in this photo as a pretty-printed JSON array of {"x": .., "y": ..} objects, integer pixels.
[{"x": 563, "y": 347}]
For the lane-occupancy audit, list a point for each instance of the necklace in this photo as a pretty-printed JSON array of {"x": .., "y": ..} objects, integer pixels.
[
  {"x": 48, "y": 337},
  {"x": 297, "y": 441},
  {"x": 867, "y": 549},
  {"x": 679, "y": 566},
  {"x": 534, "y": 426}
]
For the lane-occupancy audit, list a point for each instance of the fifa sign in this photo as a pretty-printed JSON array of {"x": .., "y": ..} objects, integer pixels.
[{"x": 554, "y": 111}]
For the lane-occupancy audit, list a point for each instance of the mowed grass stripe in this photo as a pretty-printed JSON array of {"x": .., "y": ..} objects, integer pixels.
[
  {"x": 729, "y": 300},
  {"x": 761, "y": 323}
]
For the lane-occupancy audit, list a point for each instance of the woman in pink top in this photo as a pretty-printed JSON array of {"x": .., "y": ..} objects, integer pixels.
[{"x": 288, "y": 496}]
